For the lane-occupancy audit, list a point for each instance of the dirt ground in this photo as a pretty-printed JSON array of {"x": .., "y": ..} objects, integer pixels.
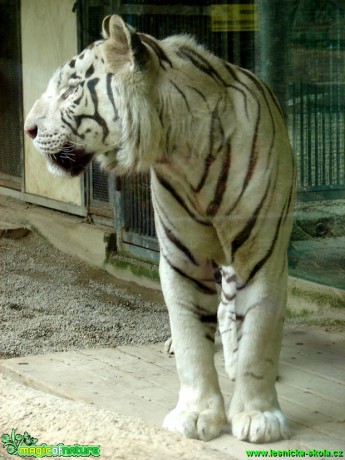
[{"x": 50, "y": 301}]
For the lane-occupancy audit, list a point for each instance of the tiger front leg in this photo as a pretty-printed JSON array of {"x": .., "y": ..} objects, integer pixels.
[
  {"x": 255, "y": 414},
  {"x": 191, "y": 298}
]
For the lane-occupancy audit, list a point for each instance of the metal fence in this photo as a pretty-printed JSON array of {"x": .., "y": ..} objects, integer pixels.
[{"x": 316, "y": 115}]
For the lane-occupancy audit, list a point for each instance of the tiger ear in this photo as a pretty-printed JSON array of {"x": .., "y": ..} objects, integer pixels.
[{"x": 123, "y": 47}]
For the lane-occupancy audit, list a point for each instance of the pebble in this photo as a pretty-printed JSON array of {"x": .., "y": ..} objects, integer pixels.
[{"x": 50, "y": 301}]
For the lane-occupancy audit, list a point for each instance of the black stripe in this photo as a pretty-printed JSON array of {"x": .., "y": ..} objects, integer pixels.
[
  {"x": 209, "y": 337},
  {"x": 91, "y": 84},
  {"x": 244, "y": 97},
  {"x": 211, "y": 318},
  {"x": 200, "y": 94},
  {"x": 253, "y": 78},
  {"x": 231, "y": 71},
  {"x": 162, "y": 57},
  {"x": 74, "y": 131},
  {"x": 111, "y": 96},
  {"x": 252, "y": 161},
  {"x": 76, "y": 102},
  {"x": 199, "y": 286},
  {"x": 268, "y": 254},
  {"x": 254, "y": 376},
  {"x": 89, "y": 71},
  {"x": 200, "y": 63},
  {"x": 171, "y": 237},
  {"x": 199, "y": 311},
  {"x": 181, "y": 93},
  {"x": 254, "y": 152},
  {"x": 208, "y": 162},
  {"x": 229, "y": 298},
  {"x": 213, "y": 207},
  {"x": 179, "y": 200},
  {"x": 210, "y": 158},
  {"x": 244, "y": 234},
  {"x": 261, "y": 87}
]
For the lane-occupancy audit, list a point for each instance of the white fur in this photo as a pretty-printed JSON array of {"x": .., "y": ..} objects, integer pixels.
[{"x": 178, "y": 110}]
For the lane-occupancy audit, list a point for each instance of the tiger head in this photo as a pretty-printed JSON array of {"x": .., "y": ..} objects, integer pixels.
[{"x": 101, "y": 104}]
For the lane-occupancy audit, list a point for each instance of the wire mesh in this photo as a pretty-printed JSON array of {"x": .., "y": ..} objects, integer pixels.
[
  {"x": 317, "y": 96},
  {"x": 100, "y": 191},
  {"x": 138, "y": 212}
]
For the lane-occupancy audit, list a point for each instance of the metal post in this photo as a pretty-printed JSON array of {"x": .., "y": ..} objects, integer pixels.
[{"x": 271, "y": 47}]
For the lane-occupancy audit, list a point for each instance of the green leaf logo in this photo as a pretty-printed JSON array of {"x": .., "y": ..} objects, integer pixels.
[{"x": 13, "y": 441}]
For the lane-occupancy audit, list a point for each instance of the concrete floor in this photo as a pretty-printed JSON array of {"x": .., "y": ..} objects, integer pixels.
[{"x": 141, "y": 381}]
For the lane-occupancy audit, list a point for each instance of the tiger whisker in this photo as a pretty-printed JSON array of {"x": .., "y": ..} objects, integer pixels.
[{"x": 72, "y": 143}]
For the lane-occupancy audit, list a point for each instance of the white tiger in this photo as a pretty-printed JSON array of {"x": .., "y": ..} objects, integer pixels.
[{"x": 222, "y": 178}]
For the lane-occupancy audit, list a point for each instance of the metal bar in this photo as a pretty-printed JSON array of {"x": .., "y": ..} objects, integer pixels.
[
  {"x": 323, "y": 143},
  {"x": 138, "y": 240},
  {"x": 46, "y": 202},
  {"x": 308, "y": 130},
  {"x": 330, "y": 133},
  {"x": 338, "y": 152},
  {"x": 301, "y": 150}
]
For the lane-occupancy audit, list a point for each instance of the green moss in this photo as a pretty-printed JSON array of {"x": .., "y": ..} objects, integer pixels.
[
  {"x": 138, "y": 268},
  {"x": 303, "y": 313},
  {"x": 319, "y": 299},
  {"x": 328, "y": 323},
  {"x": 109, "y": 240}
]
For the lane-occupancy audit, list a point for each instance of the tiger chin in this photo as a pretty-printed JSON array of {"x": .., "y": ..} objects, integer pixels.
[{"x": 212, "y": 136}]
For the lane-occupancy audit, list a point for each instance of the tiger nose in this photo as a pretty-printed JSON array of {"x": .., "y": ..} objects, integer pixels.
[{"x": 31, "y": 132}]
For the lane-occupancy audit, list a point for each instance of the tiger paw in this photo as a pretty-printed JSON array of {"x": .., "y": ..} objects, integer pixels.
[
  {"x": 260, "y": 427},
  {"x": 168, "y": 346},
  {"x": 204, "y": 425}
]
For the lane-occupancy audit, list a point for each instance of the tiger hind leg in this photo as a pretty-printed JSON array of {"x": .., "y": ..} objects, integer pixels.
[
  {"x": 227, "y": 320},
  {"x": 254, "y": 413}
]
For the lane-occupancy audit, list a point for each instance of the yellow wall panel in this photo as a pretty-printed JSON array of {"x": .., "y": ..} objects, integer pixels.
[{"x": 49, "y": 38}]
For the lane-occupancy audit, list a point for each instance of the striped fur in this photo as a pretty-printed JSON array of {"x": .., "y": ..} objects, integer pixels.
[{"x": 222, "y": 175}]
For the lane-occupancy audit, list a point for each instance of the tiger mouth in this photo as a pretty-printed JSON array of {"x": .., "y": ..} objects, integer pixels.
[{"x": 71, "y": 161}]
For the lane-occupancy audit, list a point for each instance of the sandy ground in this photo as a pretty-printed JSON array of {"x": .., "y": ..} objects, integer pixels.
[
  {"x": 54, "y": 420},
  {"x": 50, "y": 301}
]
